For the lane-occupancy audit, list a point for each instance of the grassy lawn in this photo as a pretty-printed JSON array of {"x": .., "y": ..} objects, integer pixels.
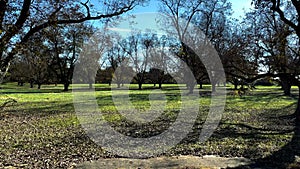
[{"x": 41, "y": 130}]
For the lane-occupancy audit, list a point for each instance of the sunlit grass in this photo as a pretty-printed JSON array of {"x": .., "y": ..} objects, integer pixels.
[{"x": 44, "y": 121}]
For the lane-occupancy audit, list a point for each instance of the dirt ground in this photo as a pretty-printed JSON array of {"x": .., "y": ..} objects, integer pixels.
[{"x": 211, "y": 162}]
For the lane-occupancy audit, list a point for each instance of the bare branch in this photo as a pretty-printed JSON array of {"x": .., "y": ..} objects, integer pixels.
[
  {"x": 87, "y": 8},
  {"x": 276, "y": 7},
  {"x": 71, "y": 21},
  {"x": 13, "y": 30},
  {"x": 3, "y": 6}
]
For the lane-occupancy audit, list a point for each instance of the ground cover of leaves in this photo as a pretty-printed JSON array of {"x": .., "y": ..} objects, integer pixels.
[{"x": 41, "y": 130}]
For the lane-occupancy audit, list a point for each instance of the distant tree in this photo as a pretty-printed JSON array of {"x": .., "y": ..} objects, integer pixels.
[
  {"x": 156, "y": 76},
  {"x": 65, "y": 46},
  {"x": 38, "y": 58},
  {"x": 19, "y": 71},
  {"x": 138, "y": 50},
  {"x": 19, "y": 20},
  {"x": 160, "y": 60},
  {"x": 210, "y": 16},
  {"x": 105, "y": 75},
  {"x": 116, "y": 57},
  {"x": 214, "y": 21},
  {"x": 176, "y": 9},
  {"x": 89, "y": 64},
  {"x": 239, "y": 54}
]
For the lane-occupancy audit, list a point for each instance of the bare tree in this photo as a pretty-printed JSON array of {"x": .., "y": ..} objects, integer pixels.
[
  {"x": 288, "y": 12},
  {"x": 138, "y": 48},
  {"x": 116, "y": 56},
  {"x": 65, "y": 45},
  {"x": 89, "y": 62},
  {"x": 19, "y": 20},
  {"x": 159, "y": 60},
  {"x": 38, "y": 59},
  {"x": 210, "y": 16}
]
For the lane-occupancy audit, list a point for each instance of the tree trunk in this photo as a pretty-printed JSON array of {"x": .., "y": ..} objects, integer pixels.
[
  {"x": 287, "y": 90},
  {"x": 297, "y": 112},
  {"x": 119, "y": 85},
  {"x": 286, "y": 86},
  {"x": 213, "y": 88},
  {"x": 31, "y": 84},
  {"x": 242, "y": 86},
  {"x": 159, "y": 85},
  {"x": 3, "y": 73},
  {"x": 90, "y": 85},
  {"x": 236, "y": 86},
  {"x": 39, "y": 85},
  {"x": 140, "y": 86},
  {"x": 66, "y": 86},
  {"x": 191, "y": 88},
  {"x": 201, "y": 85}
]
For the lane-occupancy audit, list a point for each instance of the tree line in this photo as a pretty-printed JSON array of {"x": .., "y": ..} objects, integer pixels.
[{"x": 40, "y": 41}]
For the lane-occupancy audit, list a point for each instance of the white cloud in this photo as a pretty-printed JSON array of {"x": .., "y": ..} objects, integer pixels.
[{"x": 120, "y": 29}]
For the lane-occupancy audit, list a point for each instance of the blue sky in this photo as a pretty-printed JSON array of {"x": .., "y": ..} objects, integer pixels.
[
  {"x": 145, "y": 16},
  {"x": 238, "y": 7}
]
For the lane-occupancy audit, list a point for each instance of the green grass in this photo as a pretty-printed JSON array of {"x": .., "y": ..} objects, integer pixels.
[{"x": 41, "y": 129}]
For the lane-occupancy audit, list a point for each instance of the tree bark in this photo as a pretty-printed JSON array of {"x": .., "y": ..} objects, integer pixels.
[
  {"x": 213, "y": 88},
  {"x": 140, "y": 86},
  {"x": 201, "y": 85},
  {"x": 286, "y": 86},
  {"x": 66, "y": 86},
  {"x": 191, "y": 88},
  {"x": 235, "y": 86},
  {"x": 297, "y": 112},
  {"x": 3, "y": 73},
  {"x": 31, "y": 84},
  {"x": 39, "y": 85}
]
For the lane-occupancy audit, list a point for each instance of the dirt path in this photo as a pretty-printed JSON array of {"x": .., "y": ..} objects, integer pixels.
[{"x": 211, "y": 162}]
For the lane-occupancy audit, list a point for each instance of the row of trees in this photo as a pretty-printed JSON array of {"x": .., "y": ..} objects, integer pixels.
[
  {"x": 42, "y": 39},
  {"x": 22, "y": 20},
  {"x": 265, "y": 41},
  {"x": 50, "y": 54},
  {"x": 146, "y": 57}
]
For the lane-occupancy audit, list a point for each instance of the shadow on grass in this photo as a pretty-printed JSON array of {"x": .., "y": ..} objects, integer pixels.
[
  {"x": 29, "y": 91},
  {"x": 52, "y": 108},
  {"x": 282, "y": 158},
  {"x": 288, "y": 155},
  {"x": 243, "y": 138},
  {"x": 275, "y": 122}
]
